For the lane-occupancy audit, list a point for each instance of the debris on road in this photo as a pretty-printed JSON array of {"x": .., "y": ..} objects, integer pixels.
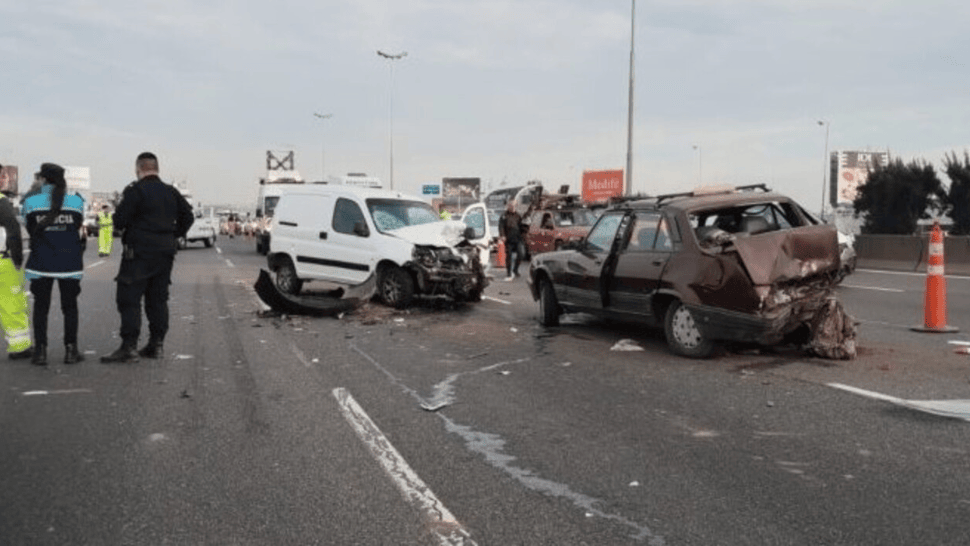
[
  {"x": 626, "y": 345},
  {"x": 833, "y": 332}
]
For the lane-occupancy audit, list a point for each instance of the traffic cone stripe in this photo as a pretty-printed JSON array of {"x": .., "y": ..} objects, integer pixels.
[
  {"x": 936, "y": 249},
  {"x": 934, "y": 270}
]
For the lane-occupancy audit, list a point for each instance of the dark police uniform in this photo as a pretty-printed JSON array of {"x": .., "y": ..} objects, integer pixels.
[{"x": 152, "y": 216}]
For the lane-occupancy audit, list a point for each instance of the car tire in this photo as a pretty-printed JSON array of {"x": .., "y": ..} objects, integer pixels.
[
  {"x": 548, "y": 304},
  {"x": 183, "y": 243},
  {"x": 683, "y": 336},
  {"x": 286, "y": 280},
  {"x": 395, "y": 287},
  {"x": 210, "y": 241}
]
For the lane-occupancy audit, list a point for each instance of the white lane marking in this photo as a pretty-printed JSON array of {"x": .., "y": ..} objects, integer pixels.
[
  {"x": 95, "y": 264},
  {"x": 955, "y": 342},
  {"x": 910, "y": 274},
  {"x": 299, "y": 355},
  {"x": 230, "y": 264},
  {"x": 956, "y": 409},
  {"x": 490, "y": 298},
  {"x": 441, "y": 522},
  {"x": 62, "y": 391},
  {"x": 879, "y": 288},
  {"x": 218, "y": 250}
]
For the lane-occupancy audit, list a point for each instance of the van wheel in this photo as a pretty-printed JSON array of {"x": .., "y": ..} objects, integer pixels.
[
  {"x": 286, "y": 280},
  {"x": 683, "y": 336},
  {"x": 210, "y": 241},
  {"x": 183, "y": 243},
  {"x": 548, "y": 304},
  {"x": 395, "y": 287}
]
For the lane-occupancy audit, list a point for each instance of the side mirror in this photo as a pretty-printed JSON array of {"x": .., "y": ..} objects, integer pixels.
[{"x": 360, "y": 228}]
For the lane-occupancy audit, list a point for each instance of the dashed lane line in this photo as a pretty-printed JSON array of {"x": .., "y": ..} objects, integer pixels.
[{"x": 441, "y": 523}]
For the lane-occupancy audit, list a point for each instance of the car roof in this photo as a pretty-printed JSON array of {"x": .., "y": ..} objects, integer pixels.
[
  {"x": 701, "y": 199},
  {"x": 363, "y": 192}
]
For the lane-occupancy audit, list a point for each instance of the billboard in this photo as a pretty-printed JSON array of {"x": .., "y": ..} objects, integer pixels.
[
  {"x": 601, "y": 185},
  {"x": 11, "y": 178},
  {"x": 458, "y": 193},
  {"x": 78, "y": 178},
  {"x": 849, "y": 170}
]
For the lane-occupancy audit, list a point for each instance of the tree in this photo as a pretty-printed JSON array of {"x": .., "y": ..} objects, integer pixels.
[
  {"x": 959, "y": 197},
  {"x": 895, "y": 196}
]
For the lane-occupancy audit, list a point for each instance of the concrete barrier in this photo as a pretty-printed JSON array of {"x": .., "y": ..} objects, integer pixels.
[{"x": 910, "y": 253}]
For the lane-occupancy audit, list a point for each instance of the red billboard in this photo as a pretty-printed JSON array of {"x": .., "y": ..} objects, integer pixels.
[{"x": 601, "y": 185}]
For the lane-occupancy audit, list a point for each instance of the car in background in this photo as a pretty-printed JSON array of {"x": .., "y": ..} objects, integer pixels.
[
  {"x": 551, "y": 229},
  {"x": 718, "y": 264}
]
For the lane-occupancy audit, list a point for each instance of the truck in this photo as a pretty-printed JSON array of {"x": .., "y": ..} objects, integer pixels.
[{"x": 280, "y": 175}]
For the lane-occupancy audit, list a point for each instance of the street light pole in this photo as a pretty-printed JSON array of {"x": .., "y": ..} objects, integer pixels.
[
  {"x": 323, "y": 150},
  {"x": 629, "y": 115},
  {"x": 700, "y": 172},
  {"x": 825, "y": 163},
  {"x": 391, "y": 58}
]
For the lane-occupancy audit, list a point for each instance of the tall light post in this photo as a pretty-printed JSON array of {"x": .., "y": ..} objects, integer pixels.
[
  {"x": 323, "y": 150},
  {"x": 629, "y": 115},
  {"x": 825, "y": 163},
  {"x": 391, "y": 58},
  {"x": 700, "y": 172}
]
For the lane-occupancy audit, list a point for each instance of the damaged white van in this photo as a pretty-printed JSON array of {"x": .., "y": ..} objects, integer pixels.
[{"x": 353, "y": 237}]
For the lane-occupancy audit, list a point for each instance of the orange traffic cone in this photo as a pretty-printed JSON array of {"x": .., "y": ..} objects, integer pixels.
[
  {"x": 500, "y": 254},
  {"x": 934, "y": 306}
]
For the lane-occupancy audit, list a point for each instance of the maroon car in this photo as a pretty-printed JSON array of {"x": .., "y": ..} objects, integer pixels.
[
  {"x": 551, "y": 229},
  {"x": 732, "y": 264}
]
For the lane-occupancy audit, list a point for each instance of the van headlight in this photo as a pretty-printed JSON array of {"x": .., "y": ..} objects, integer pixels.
[{"x": 424, "y": 255}]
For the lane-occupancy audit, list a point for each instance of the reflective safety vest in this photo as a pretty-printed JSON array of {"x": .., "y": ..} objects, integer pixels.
[{"x": 105, "y": 220}]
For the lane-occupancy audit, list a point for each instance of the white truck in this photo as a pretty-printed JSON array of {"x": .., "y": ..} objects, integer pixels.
[{"x": 205, "y": 227}]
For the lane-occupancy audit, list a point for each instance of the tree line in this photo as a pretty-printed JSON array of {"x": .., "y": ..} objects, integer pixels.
[{"x": 897, "y": 195}]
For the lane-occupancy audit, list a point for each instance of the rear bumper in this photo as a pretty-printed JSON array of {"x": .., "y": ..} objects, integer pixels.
[{"x": 768, "y": 328}]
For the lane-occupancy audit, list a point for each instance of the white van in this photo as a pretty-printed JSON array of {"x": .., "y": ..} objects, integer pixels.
[{"x": 350, "y": 235}]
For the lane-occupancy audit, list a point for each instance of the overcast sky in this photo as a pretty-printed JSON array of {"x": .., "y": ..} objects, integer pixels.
[{"x": 503, "y": 90}]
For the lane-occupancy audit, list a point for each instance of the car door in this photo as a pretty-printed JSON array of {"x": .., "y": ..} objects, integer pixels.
[
  {"x": 540, "y": 233},
  {"x": 584, "y": 267},
  {"x": 476, "y": 217},
  {"x": 296, "y": 230},
  {"x": 350, "y": 256},
  {"x": 639, "y": 266}
]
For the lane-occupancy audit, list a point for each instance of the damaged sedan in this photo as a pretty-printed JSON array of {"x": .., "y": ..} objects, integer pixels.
[
  {"x": 393, "y": 244},
  {"x": 714, "y": 265}
]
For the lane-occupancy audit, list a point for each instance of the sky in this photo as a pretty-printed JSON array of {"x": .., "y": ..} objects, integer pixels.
[{"x": 725, "y": 91}]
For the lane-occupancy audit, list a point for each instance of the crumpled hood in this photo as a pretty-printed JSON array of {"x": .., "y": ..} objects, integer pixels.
[
  {"x": 445, "y": 233},
  {"x": 780, "y": 256}
]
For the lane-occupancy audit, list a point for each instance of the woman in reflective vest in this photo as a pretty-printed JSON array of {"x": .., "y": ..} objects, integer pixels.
[
  {"x": 105, "y": 232},
  {"x": 13, "y": 297}
]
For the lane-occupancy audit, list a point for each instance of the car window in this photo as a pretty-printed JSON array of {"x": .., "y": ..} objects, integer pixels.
[
  {"x": 392, "y": 214},
  {"x": 602, "y": 235},
  {"x": 475, "y": 219},
  {"x": 644, "y": 231},
  {"x": 345, "y": 214}
]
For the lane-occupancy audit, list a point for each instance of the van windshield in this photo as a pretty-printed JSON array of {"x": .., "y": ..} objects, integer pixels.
[{"x": 391, "y": 214}]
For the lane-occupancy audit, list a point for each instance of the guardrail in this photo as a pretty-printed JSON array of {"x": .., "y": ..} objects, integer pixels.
[{"x": 910, "y": 253}]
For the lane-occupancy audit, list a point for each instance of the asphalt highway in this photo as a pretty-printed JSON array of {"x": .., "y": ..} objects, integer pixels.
[{"x": 471, "y": 424}]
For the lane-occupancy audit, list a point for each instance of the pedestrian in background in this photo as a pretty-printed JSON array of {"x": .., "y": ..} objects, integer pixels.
[
  {"x": 13, "y": 297},
  {"x": 510, "y": 230},
  {"x": 54, "y": 219},
  {"x": 152, "y": 216},
  {"x": 105, "y": 232}
]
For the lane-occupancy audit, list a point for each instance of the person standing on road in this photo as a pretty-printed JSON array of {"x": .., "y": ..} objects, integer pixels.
[
  {"x": 510, "y": 230},
  {"x": 152, "y": 216},
  {"x": 13, "y": 297},
  {"x": 55, "y": 221},
  {"x": 105, "y": 232}
]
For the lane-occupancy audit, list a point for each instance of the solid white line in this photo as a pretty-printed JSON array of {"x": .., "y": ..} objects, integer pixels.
[
  {"x": 496, "y": 299},
  {"x": 441, "y": 522},
  {"x": 867, "y": 394},
  {"x": 95, "y": 264},
  {"x": 62, "y": 391},
  {"x": 873, "y": 288}
]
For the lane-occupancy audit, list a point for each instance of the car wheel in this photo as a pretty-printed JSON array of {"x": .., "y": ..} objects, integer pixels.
[
  {"x": 210, "y": 241},
  {"x": 548, "y": 305},
  {"x": 183, "y": 243},
  {"x": 683, "y": 336},
  {"x": 395, "y": 287},
  {"x": 286, "y": 280}
]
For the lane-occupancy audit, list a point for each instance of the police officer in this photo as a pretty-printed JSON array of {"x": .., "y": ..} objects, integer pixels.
[
  {"x": 105, "y": 230},
  {"x": 152, "y": 216},
  {"x": 13, "y": 297}
]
